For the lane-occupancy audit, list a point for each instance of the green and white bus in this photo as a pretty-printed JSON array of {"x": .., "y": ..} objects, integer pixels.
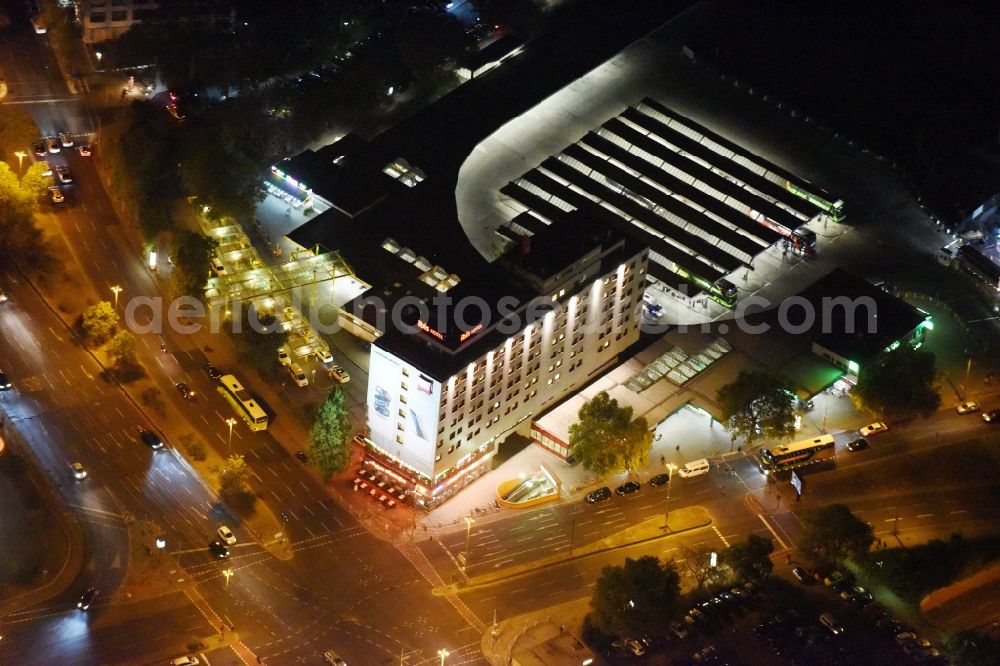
[{"x": 242, "y": 402}]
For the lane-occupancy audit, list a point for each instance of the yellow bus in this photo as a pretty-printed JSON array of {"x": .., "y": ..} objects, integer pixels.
[
  {"x": 242, "y": 402},
  {"x": 799, "y": 454}
]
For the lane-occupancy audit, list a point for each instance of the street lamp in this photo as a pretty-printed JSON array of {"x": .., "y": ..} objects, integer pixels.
[
  {"x": 20, "y": 159},
  {"x": 666, "y": 508},
  {"x": 228, "y": 573},
  {"x": 443, "y": 654},
  {"x": 117, "y": 290},
  {"x": 230, "y": 422},
  {"x": 468, "y": 532},
  {"x": 99, "y": 56}
]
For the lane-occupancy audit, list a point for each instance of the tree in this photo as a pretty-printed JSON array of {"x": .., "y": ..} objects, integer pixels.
[
  {"x": 698, "y": 561},
  {"x": 98, "y": 323},
  {"x": 233, "y": 476},
  {"x": 607, "y": 440},
  {"x": 191, "y": 262},
  {"x": 834, "y": 534},
  {"x": 757, "y": 404},
  {"x": 330, "y": 435},
  {"x": 639, "y": 598},
  {"x": 121, "y": 348},
  {"x": 19, "y": 236},
  {"x": 34, "y": 185},
  {"x": 750, "y": 559},
  {"x": 18, "y": 131},
  {"x": 903, "y": 382}
]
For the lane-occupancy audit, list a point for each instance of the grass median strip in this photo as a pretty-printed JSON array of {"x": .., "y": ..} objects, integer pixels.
[{"x": 681, "y": 521}]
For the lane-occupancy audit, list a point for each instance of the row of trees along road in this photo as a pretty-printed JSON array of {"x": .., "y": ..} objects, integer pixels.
[
  {"x": 642, "y": 596},
  {"x": 756, "y": 406}
]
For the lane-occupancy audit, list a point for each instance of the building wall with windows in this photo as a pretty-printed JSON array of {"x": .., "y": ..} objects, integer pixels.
[
  {"x": 444, "y": 433},
  {"x": 108, "y": 19}
]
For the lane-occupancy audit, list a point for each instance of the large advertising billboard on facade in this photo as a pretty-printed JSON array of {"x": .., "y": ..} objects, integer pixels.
[{"x": 403, "y": 411}]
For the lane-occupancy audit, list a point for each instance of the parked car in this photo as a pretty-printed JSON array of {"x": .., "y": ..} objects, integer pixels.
[
  {"x": 88, "y": 598},
  {"x": 802, "y": 575},
  {"x": 52, "y": 144},
  {"x": 185, "y": 661},
  {"x": 56, "y": 195},
  {"x": 967, "y": 407},
  {"x": 62, "y": 172},
  {"x": 217, "y": 266},
  {"x": 873, "y": 429},
  {"x": 5, "y": 384},
  {"x": 992, "y": 416},
  {"x": 66, "y": 139},
  {"x": 226, "y": 535},
  {"x": 857, "y": 444},
  {"x": 627, "y": 488},
  {"x": 659, "y": 480},
  {"x": 830, "y": 622},
  {"x": 340, "y": 374},
  {"x": 834, "y": 578},
  {"x": 298, "y": 375},
  {"x": 283, "y": 357},
  {"x": 85, "y": 150},
  {"x": 598, "y": 495},
  {"x": 78, "y": 471},
  {"x": 678, "y": 629},
  {"x": 40, "y": 148},
  {"x": 852, "y": 592}
]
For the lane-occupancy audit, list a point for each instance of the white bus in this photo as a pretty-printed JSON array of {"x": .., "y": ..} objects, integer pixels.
[
  {"x": 791, "y": 456},
  {"x": 242, "y": 402}
]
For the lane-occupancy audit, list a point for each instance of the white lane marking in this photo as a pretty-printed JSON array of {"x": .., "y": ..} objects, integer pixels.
[{"x": 771, "y": 530}]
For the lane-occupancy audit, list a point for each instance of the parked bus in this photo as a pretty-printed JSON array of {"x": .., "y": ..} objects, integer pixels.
[
  {"x": 792, "y": 456},
  {"x": 242, "y": 402}
]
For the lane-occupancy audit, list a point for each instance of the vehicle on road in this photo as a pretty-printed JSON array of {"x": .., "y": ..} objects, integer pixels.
[
  {"x": 78, "y": 471},
  {"x": 340, "y": 374},
  {"x": 5, "y": 384},
  {"x": 52, "y": 144},
  {"x": 88, "y": 598},
  {"x": 283, "y": 357},
  {"x": 302, "y": 456},
  {"x": 992, "y": 416},
  {"x": 39, "y": 148},
  {"x": 798, "y": 454},
  {"x": 858, "y": 444},
  {"x": 85, "y": 150},
  {"x": 56, "y": 195},
  {"x": 213, "y": 372},
  {"x": 62, "y": 172},
  {"x": 852, "y": 592},
  {"x": 185, "y": 661},
  {"x": 659, "y": 480},
  {"x": 242, "y": 402},
  {"x": 598, "y": 495},
  {"x": 298, "y": 375},
  {"x": 830, "y": 622},
  {"x": 967, "y": 407},
  {"x": 66, "y": 139},
  {"x": 873, "y": 429},
  {"x": 627, "y": 488},
  {"x": 186, "y": 391},
  {"x": 333, "y": 658},
  {"x": 226, "y": 535},
  {"x": 219, "y": 549},
  {"x": 694, "y": 468},
  {"x": 802, "y": 575},
  {"x": 151, "y": 439}
]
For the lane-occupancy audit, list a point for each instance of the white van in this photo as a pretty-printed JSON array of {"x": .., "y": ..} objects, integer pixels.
[
  {"x": 298, "y": 376},
  {"x": 694, "y": 468}
]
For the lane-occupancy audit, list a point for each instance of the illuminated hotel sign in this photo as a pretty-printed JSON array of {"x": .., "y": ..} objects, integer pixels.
[
  {"x": 427, "y": 329},
  {"x": 468, "y": 334}
]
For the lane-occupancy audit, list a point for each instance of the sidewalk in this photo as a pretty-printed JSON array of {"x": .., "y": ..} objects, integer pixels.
[{"x": 530, "y": 631}]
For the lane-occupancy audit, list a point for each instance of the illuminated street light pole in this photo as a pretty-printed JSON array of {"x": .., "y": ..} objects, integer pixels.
[
  {"x": 666, "y": 509},
  {"x": 230, "y": 422},
  {"x": 228, "y": 573},
  {"x": 443, "y": 654},
  {"x": 20, "y": 158},
  {"x": 117, "y": 290},
  {"x": 468, "y": 532}
]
